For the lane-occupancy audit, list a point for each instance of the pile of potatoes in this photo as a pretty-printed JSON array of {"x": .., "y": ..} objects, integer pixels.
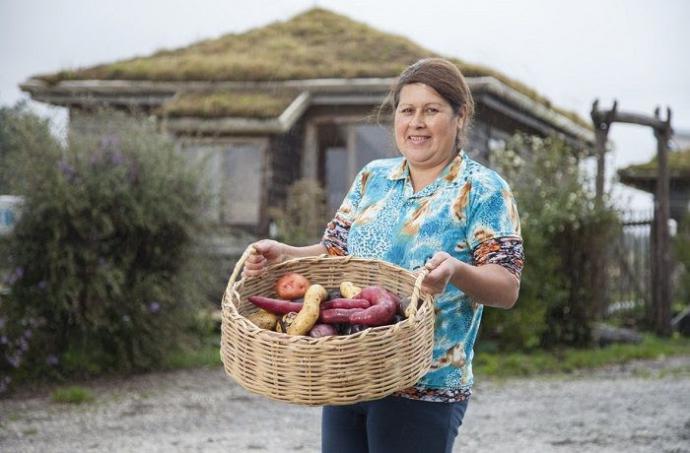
[{"x": 309, "y": 309}]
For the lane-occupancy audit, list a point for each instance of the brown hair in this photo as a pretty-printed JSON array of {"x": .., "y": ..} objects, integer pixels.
[{"x": 444, "y": 77}]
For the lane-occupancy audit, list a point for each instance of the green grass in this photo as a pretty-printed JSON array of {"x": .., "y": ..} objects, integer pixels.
[
  {"x": 498, "y": 364},
  {"x": 206, "y": 354},
  {"x": 502, "y": 365},
  {"x": 72, "y": 395}
]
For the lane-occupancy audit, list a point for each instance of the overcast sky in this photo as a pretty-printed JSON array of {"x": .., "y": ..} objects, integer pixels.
[{"x": 572, "y": 52}]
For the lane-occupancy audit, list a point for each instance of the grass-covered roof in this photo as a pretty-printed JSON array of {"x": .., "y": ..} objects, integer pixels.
[
  {"x": 315, "y": 44},
  {"x": 643, "y": 176},
  {"x": 678, "y": 164},
  {"x": 221, "y": 104}
]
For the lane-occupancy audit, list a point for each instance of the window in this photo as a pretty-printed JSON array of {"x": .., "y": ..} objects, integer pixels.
[{"x": 233, "y": 178}]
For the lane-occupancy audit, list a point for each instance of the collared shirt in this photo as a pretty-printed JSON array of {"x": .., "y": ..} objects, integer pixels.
[{"x": 465, "y": 207}]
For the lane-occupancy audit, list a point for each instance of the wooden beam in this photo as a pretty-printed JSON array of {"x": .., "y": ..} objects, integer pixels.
[
  {"x": 634, "y": 118},
  {"x": 351, "y": 152},
  {"x": 662, "y": 253},
  {"x": 310, "y": 151}
]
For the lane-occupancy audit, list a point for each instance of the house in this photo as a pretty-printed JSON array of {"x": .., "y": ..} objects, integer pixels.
[
  {"x": 643, "y": 177},
  {"x": 294, "y": 99}
]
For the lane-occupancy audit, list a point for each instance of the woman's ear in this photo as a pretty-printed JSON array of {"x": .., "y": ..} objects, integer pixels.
[{"x": 461, "y": 118}]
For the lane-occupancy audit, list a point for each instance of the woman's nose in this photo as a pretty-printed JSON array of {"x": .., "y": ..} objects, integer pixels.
[{"x": 417, "y": 120}]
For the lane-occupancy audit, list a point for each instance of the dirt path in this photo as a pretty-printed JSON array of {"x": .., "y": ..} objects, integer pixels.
[{"x": 642, "y": 407}]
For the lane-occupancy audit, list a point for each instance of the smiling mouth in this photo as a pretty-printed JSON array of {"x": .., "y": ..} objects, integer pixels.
[{"x": 418, "y": 139}]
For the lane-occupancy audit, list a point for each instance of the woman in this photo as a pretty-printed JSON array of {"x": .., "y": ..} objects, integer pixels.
[{"x": 432, "y": 207}]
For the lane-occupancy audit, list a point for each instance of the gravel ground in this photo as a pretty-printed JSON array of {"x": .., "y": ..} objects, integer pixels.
[{"x": 639, "y": 407}]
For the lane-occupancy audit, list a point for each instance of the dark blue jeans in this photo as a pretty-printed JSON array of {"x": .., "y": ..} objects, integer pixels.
[{"x": 391, "y": 424}]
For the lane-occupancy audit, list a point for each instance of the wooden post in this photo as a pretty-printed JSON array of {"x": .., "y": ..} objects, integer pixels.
[
  {"x": 310, "y": 152},
  {"x": 602, "y": 123},
  {"x": 598, "y": 277},
  {"x": 661, "y": 271},
  {"x": 351, "y": 152}
]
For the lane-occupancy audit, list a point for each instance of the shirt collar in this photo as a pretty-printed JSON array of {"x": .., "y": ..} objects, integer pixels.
[{"x": 449, "y": 174}]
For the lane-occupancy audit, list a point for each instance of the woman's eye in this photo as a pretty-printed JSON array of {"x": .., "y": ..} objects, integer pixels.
[{"x": 431, "y": 110}]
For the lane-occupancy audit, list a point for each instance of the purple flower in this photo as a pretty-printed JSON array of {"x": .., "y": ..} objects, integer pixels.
[
  {"x": 52, "y": 360},
  {"x": 95, "y": 158},
  {"x": 67, "y": 170},
  {"x": 154, "y": 307},
  {"x": 117, "y": 158},
  {"x": 27, "y": 334},
  {"x": 110, "y": 141},
  {"x": 14, "y": 276},
  {"x": 3, "y": 339},
  {"x": 23, "y": 344},
  {"x": 15, "y": 361},
  {"x": 42, "y": 285}
]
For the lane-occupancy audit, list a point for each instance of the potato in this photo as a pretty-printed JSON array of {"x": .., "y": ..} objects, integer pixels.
[
  {"x": 264, "y": 319},
  {"x": 291, "y": 286},
  {"x": 309, "y": 314},
  {"x": 349, "y": 290},
  {"x": 286, "y": 322}
]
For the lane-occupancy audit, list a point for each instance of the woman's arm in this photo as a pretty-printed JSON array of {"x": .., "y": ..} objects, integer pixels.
[
  {"x": 269, "y": 251},
  {"x": 490, "y": 284}
]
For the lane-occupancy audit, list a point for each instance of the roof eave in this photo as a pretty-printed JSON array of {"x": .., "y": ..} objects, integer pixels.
[{"x": 155, "y": 93}]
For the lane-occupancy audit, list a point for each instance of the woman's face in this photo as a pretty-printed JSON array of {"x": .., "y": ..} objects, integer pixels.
[{"x": 425, "y": 127}]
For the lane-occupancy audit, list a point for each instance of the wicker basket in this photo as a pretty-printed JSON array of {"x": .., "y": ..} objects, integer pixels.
[{"x": 331, "y": 370}]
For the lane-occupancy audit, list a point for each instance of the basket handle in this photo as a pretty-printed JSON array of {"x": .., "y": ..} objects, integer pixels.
[
  {"x": 416, "y": 292},
  {"x": 240, "y": 263},
  {"x": 238, "y": 267}
]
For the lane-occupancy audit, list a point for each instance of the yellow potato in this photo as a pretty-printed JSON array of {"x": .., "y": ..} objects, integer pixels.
[
  {"x": 264, "y": 319},
  {"x": 349, "y": 290},
  {"x": 309, "y": 314}
]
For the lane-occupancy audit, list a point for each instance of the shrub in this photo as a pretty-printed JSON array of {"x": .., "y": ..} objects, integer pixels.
[
  {"x": 564, "y": 233},
  {"x": 102, "y": 264},
  {"x": 19, "y": 129},
  {"x": 681, "y": 251}
]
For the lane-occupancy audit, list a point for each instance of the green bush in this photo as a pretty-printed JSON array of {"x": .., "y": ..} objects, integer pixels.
[
  {"x": 102, "y": 266},
  {"x": 681, "y": 254},
  {"x": 564, "y": 232},
  {"x": 19, "y": 129}
]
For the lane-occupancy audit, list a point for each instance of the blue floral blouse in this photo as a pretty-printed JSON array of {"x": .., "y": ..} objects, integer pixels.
[{"x": 468, "y": 212}]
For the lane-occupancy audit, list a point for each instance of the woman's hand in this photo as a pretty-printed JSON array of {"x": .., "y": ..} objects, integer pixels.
[
  {"x": 442, "y": 267},
  {"x": 266, "y": 251}
]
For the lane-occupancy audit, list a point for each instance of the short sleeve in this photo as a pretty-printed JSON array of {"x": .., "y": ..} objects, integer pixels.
[
  {"x": 492, "y": 212},
  {"x": 336, "y": 233}
]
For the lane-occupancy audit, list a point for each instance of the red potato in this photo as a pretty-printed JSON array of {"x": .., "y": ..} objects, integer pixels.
[
  {"x": 322, "y": 330},
  {"x": 382, "y": 310},
  {"x": 277, "y": 306},
  {"x": 345, "y": 303},
  {"x": 291, "y": 286}
]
